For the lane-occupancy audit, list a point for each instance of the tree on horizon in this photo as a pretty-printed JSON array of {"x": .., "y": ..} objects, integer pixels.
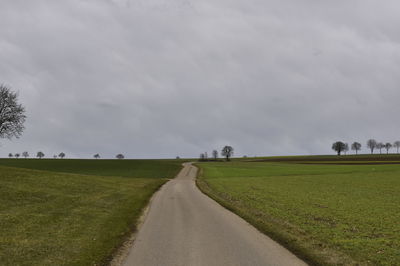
[
  {"x": 380, "y": 146},
  {"x": 339, "y": 147},
  {"x": 356, "y": 146},
  {"x": 202, "y": 157},
  {"x": 227, "y": 152},
  {"x": 215, "y": 154},
  {"x": 388, "y": 146},
  {"x": 396, "y": 144},
  {"x": 346, "y": 148},
  {"x": 371, "y": 144}
]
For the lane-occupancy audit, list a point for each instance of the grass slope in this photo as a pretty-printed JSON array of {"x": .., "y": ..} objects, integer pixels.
[
  {"x": 52, "y": 218},
  {"x": 327, "y": 214}
]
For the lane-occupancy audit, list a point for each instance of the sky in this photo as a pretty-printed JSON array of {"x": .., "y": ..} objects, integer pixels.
[{"x": 166, "y": 78}]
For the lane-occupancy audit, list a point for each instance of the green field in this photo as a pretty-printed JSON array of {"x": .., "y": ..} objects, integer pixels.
[
  {"x": 123, "y": 168},
  {"x": 326, "y": 214},
  {"x": 361, "y": 158},
  {"x": 78, "y": 212}
]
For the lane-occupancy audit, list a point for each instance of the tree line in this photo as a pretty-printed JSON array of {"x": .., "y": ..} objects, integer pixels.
[
  {"x": 62, "y": 155},
  {"x": 39, "y": 155},
  {"x": 226, "y": 152},
  {"x": 342, "y": 147}
]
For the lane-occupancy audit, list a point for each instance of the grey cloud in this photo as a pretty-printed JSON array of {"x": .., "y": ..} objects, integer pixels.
[{"x": 163, "y": 78}]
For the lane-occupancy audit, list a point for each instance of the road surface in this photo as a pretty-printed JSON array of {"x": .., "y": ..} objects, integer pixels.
[{"x": 184, "y": 227}]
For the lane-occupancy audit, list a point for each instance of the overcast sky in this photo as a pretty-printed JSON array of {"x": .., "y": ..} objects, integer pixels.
[{"x": 161, "y": 78}]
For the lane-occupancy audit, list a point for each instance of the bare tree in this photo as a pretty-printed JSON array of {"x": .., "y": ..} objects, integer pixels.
[
  {"x": 17, "y": 155},
  {"x": 339, "y": 147},
  {"x": 96, "y": 156},
  {"x": 12, "y": 114},
  {"x": 227, "y": 152},
  {"x": 40, "y": 155},
  {"x": 25, "y": 154},
  {"x": 388, "y": 146},
  {"x": 380, "y": 146},
  {"x": 396, "y": 144},
  {"x": 120, "y": 156},
  {"x": 356, "y": 147},
  {"x": 346, "y": 148},
  {"x": 10, "y": 155},
  {"x": 371, "y": 144},
  {"x": 61, "y": 155},
  {"x": 215, "y": 154},
  {"x": 202, "y": 157}
]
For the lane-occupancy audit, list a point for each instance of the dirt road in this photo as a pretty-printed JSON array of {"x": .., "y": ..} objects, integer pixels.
[{"x": 184, "y": 228}]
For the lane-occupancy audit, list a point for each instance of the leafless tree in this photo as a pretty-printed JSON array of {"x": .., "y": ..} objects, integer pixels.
[
  {"x": 96, "y": 156},
  {"x": 346, "y": 148},
  {"x": 12, "y": 114},
  {"x": 339, "y": 147},
  {"x": 380, "y": 146},
  {"x": 120, "y": 156},
  {"x": 40, "y": 155},
  {"x": 61, "y": 155},
  {"x": 356, "y": 146},
  {"x": 396, "y": 144},
  {"x": 215, "y": 154},
  {"x": 371, "y": 144},
  {"x": 25, "y": 154},
  {"x": 388, "y": 146},
  {"x": 17, "y": 155},
  {"x": 227, "y": 152},
  {"x": 202, "y": 157}
]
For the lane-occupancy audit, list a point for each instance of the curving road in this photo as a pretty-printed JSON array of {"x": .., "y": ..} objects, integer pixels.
[{"x": 184, "y": 227}]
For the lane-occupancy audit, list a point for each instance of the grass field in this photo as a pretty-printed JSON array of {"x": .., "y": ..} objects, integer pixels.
[
  {"x": 57, "y": 218},
  {"x": 327, "y": 214},
  {"x": 327, "y": 158},
  {"x": 123, "y": 168}
]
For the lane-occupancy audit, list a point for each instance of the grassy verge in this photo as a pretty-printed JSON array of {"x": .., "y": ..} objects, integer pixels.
[
  {"x": 53, "y": 218},
  {"x": 326, "y": 214}
]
